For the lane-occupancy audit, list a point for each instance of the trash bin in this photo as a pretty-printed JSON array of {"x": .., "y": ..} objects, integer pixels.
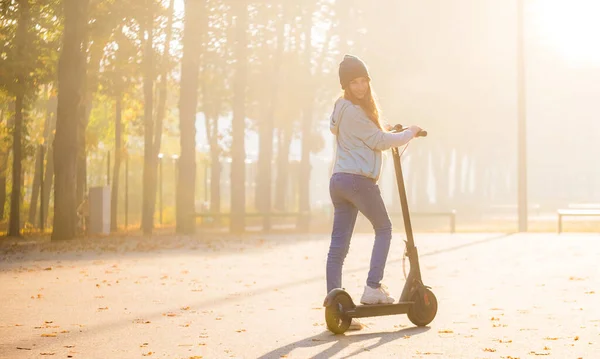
[{"x": 99, "y": 206}]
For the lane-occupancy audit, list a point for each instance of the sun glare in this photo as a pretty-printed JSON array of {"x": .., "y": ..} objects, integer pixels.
[{"x": 571, "y": 27}]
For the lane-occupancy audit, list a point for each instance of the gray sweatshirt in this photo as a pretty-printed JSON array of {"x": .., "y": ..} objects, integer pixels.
[{"x": 359, "y": 140}]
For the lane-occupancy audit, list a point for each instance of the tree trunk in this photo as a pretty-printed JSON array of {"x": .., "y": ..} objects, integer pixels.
[
  {"x": 441, "y": 164},
  {"x": 238, "y": 151},
  {"x": 149, "y": 173},
  {"x": 212, "y": 133},
  {"x": 114, "y": 194},
  {"x": 2, "y": 195},
  {"x": 81, "y": 162},
  {"x": 188, "y": 102},
  {"x": 71, "y": 90},
  {"x": 264, "y": 178},
  {"x": 14, "y": 226},
  {"x": 161, "y": 111},
  {"x": 38, "y": 170},
  {"x": 283, "y": 165},
  {"x": 49, "y": 172},
  {"x": 96, "y": 53},
  {"x": 307, "y": 112},
  {"x": 418, "y": 167},
  {"x": 3, "y": 167},
  {"x": 35, "y": 186},
  {"x": 48, "y": 180}
]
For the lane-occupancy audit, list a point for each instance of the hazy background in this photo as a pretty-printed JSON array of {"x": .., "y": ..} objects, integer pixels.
[{"x": 447, "y": 66}]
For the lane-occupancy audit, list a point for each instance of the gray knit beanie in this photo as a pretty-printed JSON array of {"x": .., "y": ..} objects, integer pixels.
[{"x": 350, "y": 68}]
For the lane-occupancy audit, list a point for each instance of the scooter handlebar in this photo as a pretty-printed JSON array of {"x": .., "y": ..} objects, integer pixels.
[{"x": 399, "y": 128}]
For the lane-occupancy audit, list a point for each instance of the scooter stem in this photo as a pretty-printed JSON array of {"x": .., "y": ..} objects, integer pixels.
[{"x": 413, "y": 280}]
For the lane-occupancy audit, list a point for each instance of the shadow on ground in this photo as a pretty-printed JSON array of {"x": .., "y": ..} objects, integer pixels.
[{"x": 343, "y": 341}]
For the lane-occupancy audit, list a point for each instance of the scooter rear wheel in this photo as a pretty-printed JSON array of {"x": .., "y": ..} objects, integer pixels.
[
  {"x": 335, "y": 313},
  {"x": 424, "y": 309}
]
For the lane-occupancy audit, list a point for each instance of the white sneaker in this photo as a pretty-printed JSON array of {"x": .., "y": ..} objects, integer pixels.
[
  {"x": 355, "y": 324},
  {"x": 376, "y": 296}
]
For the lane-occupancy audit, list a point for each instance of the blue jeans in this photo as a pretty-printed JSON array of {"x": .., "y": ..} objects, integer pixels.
[{"x": 351, "y": 193}]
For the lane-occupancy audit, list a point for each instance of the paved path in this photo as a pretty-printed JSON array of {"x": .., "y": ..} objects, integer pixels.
[{"x": 500, "y": 296}]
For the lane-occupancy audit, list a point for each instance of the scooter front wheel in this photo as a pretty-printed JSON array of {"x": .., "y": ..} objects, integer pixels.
[
  {"x": 335, "y": 313},
  {"x": 424, "y": 309}
]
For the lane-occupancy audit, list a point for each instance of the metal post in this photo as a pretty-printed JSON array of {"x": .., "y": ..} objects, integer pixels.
[
  {"x": 42, "y": 188},
  {"x": 522, "y": 124}
]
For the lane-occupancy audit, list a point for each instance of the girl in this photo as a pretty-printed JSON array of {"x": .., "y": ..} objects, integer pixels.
[{"x": 353, "y": 186}]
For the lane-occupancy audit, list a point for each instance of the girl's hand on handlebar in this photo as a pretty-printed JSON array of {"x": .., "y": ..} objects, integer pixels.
[{"x": 415, "y": 129}]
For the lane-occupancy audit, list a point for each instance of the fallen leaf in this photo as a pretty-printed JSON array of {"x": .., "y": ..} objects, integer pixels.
[
  {"x": 52, "y": 335},
  {"x": 185, "y": 308},
  {"x": 49, "y": 268},
  {"x": 576, "y": 338},
  {"x": 20, "y": 348},
  {"x": 429, "y": 353},
  {"x": 47, "y": 353},
  {"x": 445, "y": 331},
  {"x": 241, "y": 330},
  {"x": 491, "y": 350},
  {"x": 147, "y": 354},
  {"x": 503, "y": 341}
]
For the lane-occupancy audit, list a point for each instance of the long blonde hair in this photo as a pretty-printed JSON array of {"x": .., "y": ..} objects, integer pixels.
[{"x": 368, "y": 104}]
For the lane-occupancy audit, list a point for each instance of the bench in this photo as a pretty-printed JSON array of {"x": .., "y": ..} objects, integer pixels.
[
  {"x": 265, "y": 215},
  {"x": 450, "y": 214},
  {"x": 575, "y": 213}
]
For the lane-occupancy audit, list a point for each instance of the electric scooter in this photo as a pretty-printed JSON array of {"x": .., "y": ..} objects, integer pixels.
[{"x": 417, "y": 299}]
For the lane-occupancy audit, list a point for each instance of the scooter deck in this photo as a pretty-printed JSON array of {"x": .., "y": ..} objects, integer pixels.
[{"x": 377, "y": 310}]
